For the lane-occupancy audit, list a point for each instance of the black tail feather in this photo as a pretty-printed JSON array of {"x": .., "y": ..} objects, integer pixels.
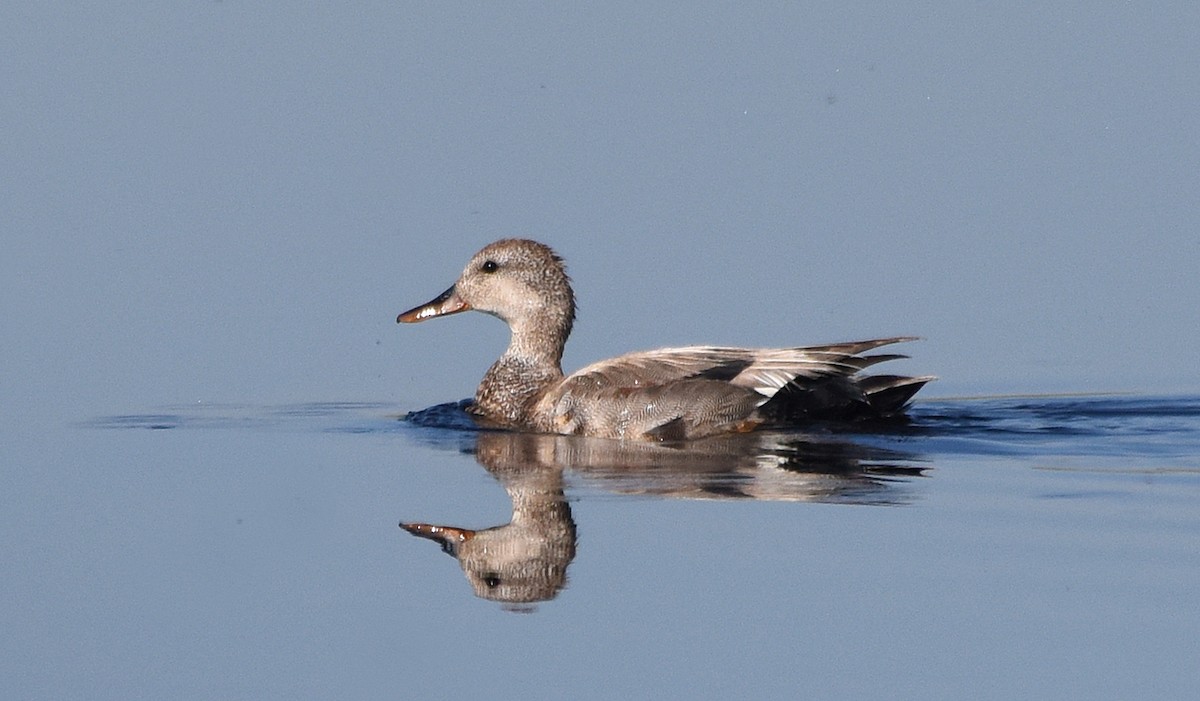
[
  {"x": 890, "y": 394},
  {"x": 843, "y": 399}
]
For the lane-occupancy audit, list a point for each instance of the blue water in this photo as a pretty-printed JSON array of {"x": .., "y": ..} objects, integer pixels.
[
  {"x": 993, "y": 548},
  {"x": 219, "y": 202}
]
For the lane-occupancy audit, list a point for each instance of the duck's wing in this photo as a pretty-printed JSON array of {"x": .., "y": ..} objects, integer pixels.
[
  {"x": 765, "y": 371},
  {"x": 683, "y": 393},
  {"x": 663, "y": 366}
]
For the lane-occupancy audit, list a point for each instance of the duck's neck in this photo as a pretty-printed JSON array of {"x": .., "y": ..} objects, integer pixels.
[{"x": 531, "y": 364}]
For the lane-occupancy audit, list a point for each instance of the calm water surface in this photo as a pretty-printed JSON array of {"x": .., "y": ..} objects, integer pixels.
[
  {"x": 233, "y": 200},
  {"x": 994, "y": 548}
]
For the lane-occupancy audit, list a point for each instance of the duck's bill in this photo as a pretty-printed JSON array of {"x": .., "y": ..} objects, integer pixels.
[
  {"x": 448, "y": 537},
  {"x": 447, "y": 302}
]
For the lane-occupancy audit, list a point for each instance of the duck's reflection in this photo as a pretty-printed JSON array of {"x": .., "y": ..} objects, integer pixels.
[{"x": 525, "y": 560}]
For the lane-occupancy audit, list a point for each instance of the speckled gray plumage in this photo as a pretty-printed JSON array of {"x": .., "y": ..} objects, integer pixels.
[{"x": 665, "y": 394}]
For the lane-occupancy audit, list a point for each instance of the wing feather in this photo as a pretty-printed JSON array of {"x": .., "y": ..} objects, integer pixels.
[{"x": 766, "y": 371}]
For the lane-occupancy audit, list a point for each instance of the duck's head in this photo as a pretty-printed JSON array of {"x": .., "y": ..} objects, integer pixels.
[{"x": 518, "y": 280}]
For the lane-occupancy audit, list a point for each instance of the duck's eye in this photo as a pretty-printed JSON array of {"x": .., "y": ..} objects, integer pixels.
[{"x": 489, "y": 266}]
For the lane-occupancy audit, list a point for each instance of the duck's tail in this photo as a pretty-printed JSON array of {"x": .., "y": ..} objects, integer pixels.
[
  {"x": 889, "y": 395},
  {"x": 846, "y": 396}
]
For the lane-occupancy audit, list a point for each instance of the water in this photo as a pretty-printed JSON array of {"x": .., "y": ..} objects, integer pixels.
[
  {"x": 215, "y": 210},
  {"x": 998, "y": 548}
]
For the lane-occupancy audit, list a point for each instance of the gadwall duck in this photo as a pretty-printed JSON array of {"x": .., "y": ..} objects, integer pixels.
[{"x": 668, "y": 394}]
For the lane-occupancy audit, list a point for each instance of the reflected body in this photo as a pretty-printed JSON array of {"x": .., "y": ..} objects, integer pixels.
[
  {"x": 660, "y": 395},
  {"x": 525, "y": 560}
]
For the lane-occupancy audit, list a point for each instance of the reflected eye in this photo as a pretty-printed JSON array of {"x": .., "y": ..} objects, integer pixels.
[{"x": 489, "y": 266}]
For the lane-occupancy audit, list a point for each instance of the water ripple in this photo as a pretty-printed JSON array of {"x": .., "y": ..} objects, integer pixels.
[{"x": 1155, "y": 427}]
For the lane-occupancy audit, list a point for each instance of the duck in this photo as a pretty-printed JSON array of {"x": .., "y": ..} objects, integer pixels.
[{"x": 663, "y": 395}]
